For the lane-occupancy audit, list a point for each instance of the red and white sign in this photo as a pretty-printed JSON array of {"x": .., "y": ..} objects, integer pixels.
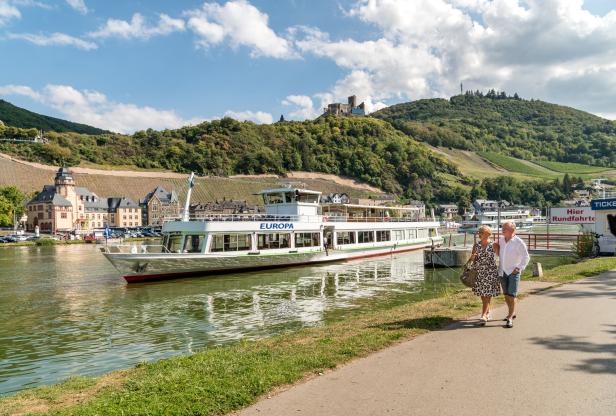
[{"x": 577, "y": 215}]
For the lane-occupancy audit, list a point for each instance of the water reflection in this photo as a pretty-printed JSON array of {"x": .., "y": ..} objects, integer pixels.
[{"x": 66, "y": 312}]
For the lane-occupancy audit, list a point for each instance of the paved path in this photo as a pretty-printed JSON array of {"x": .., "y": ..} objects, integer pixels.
[{"x": 559, "y": 359}]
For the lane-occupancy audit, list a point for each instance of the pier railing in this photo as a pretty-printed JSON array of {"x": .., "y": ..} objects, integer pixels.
[{"x": 545, "y": 242}]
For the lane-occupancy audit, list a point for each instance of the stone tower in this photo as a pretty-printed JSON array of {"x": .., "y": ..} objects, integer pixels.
[{"x": 65, "y": 186}]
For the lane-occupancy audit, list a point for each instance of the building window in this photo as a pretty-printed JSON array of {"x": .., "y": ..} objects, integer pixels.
[
  {"x": 383, "y": 235},
  {"x": 269, "y": 241},
  {"x": 40, "y": 215},
  {"x": 230, "y": 242},
  {"x": 307, "y": 239},
  {"x": 365, "y": 236},
  {"x": 63, "y": 215},
  {"x": 345, "y": 237}
]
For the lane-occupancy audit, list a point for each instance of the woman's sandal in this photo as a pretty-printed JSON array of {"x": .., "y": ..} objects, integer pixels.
[{"x": 512, "y": 318}]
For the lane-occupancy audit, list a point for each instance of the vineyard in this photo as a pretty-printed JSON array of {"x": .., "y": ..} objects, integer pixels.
[{"x": 31, "y": 179}]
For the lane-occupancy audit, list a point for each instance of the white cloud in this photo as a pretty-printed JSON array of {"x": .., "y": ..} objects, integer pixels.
[
  {"x": 54, "y": 39},
  {"x": 258, "y": 117},
  {"x": 8, "y": 12},
  {"x": 94, "y": 108},
  {"x": 552, "y": 49},
  {"x": 303, "y": 106},
  {"x": 138, "y": 28},
  {"x": 78, "y": 5},
  {"x": 242, "y": 24},
  {"x": 19, "y": 90}
]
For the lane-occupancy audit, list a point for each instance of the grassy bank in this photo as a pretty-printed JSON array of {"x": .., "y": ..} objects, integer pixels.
[
  {"x": 579, "y": 270},
  {"x": 219, "y": 380}
]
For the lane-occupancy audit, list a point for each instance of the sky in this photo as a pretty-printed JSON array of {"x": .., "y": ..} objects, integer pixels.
[{"x": 128, "y": 65}]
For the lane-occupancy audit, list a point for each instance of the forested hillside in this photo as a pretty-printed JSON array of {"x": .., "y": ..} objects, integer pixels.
[
  {"x": 18, "y": 117},
  {"x": 367, "y": 149},
  {"x": 526, "y": 129}
]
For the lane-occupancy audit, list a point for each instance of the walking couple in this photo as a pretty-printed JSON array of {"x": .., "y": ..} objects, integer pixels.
[{"x": 513, "y": 259}]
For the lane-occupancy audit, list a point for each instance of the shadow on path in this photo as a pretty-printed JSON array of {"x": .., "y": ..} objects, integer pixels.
[{"x": 606, "y": 364}]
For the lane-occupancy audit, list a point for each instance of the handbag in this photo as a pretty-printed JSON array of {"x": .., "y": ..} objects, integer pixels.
[{"x": 469, "y": 274}]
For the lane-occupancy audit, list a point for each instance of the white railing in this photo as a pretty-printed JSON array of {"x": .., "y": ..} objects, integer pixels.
[
  {"x": 608, "y": 194},
  {"x": 292, "y": 218},
  {"x": 136, "y": 248}
]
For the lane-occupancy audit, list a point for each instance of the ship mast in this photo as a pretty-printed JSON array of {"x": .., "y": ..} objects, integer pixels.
[{"x": 191, "y": 184}]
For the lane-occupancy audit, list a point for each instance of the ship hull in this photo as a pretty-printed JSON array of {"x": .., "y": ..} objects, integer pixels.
[{"x": 152, "y": 267}]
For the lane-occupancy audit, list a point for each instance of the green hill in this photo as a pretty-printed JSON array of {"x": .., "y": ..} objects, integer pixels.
[
  {"x": 363, "y": 148},
  {"x": 526, "y": 129},
  {"x": 14, "y": 116}
]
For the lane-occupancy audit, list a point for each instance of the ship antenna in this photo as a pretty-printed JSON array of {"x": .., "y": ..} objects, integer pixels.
[{"x": 191, "y": 184}]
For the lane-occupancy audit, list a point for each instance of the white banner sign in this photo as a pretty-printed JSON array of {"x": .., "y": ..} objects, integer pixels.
[{"x": 577, "y": 215}]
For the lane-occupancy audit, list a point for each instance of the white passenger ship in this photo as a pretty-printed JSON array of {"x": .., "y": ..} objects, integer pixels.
[
  {"x": 488, "y": 215},
  {"x": 295, "y": 230}
]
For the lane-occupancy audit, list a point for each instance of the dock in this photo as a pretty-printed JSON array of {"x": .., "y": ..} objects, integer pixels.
[{"x": 447, "y": 256}]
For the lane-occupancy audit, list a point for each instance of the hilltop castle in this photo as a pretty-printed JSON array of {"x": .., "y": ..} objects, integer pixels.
[{"x": 349, "y": 109}]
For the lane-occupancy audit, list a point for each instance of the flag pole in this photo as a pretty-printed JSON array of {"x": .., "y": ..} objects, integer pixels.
[{"x": 191, "y": 184}]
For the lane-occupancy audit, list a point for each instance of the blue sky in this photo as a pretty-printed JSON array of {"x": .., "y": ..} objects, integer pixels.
[{"x": 129, "y": 65}]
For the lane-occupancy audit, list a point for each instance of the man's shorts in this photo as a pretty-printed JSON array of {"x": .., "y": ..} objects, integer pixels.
[{"x": 510, "y": 283}]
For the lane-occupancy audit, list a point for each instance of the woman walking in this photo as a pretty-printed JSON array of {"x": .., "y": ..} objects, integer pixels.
[{"x": 487, "y": 285}]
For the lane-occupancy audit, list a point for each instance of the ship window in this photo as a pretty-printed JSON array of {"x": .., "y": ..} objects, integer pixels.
[
  {"x": 194, "y": 243},
  {"x": 365, "y": 236},
  {"x": 274, "y": 199},
  {"x": 310, "y": 198},
  {"x": 345, "y": 237},
  {"x": 383, "y": 235},
  {"x": 268, "y": 241},
  {"x": 412, "y": 234},
  {"x": 307, "y": 239},
  {"x": 432, "y": 232},
  {"x": 422, "y": 233},
  {"x": 398, "y": 235},
  {"x": 173, "y": 243},
  {"x": 230, "y": 242}
]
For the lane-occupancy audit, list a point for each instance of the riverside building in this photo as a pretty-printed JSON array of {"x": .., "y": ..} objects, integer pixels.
[{"x": 64, "y": 207}]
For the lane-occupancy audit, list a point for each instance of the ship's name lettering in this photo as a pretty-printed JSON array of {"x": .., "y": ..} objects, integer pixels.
[{"x": 276, "y": 226}]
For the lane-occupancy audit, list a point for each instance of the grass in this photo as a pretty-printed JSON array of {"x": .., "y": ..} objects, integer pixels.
[
  {"x": 516, "y": 165},
  {"x": 572, "y": 168},
  {"x": 585, "y": 268},
  {"x": 222, "y": 379}
]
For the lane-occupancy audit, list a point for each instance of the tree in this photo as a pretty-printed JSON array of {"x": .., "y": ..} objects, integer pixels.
[
  {"x": 12, "y": 203},
  {"x": 6, "y": 212}
]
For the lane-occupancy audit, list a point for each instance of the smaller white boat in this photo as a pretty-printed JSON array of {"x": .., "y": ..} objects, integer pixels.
[{"x": 487, "y": 212}]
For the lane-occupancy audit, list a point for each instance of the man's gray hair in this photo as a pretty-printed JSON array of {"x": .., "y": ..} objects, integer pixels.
[{"x": 509, "y": 224}]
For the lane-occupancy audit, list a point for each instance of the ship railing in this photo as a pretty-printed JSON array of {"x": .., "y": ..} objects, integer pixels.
[
  {"x": 136, "y": 248},
  {"x": 295, "y": 218}
]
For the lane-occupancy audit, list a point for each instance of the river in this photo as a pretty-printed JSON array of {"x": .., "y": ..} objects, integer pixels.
[{"x": 65, "y": 311}]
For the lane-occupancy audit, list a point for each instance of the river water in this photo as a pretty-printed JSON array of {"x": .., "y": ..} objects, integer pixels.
[{"x": 65, "y": 311}]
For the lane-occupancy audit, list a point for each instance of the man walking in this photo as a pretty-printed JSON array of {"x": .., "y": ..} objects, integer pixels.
[{"x": 514, "y": 258}]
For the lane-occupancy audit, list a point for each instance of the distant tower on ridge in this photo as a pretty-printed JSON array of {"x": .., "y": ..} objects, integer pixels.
[{"x": 461, "y": 89}]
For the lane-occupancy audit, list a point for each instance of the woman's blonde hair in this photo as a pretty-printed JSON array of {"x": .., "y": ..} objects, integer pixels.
[{"x": 484, "y": 229}]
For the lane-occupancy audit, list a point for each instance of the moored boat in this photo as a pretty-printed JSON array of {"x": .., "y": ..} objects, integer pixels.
[{"x": 293, "y": 231}]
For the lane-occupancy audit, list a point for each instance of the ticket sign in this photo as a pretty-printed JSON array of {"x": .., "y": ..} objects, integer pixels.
[
  {"x": 576, "y": 215},
  {"x": 602, "y": 204}
]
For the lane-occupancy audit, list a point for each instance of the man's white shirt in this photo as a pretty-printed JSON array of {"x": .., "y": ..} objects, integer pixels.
[{"x": 513, "y": 254}]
